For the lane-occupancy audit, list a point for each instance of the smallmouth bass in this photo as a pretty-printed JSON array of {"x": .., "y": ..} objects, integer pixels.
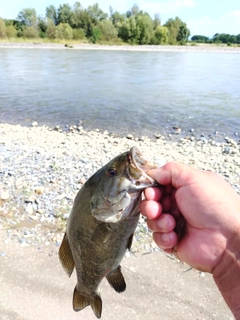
[{"x": 101, "y": 224}]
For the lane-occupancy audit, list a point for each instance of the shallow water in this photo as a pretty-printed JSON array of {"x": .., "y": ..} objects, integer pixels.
[{"x": 137, "y": 92}]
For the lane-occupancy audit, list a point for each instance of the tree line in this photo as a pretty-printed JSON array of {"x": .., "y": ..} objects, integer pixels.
[
  {"x": 92, "y": 24},
  {"x": 218, "y": 38}
]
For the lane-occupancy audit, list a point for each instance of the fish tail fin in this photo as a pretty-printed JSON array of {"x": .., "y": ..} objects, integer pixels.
[
  {"x": 96, "y": 304},
  {"x": 80, "y": 301}
]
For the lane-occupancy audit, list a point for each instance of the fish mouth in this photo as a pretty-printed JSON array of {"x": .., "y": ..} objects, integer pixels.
[{"x": 139, "y": 166}]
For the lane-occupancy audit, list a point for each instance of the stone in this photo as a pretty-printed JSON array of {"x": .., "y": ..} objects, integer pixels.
[
  {"x": 5, "y": 195},
  {"x": 130, "y": 137},
  {"x": 82, "y": 180},
  {"x": 39, "y": 190},
  {"x": 29, "y": 209}
]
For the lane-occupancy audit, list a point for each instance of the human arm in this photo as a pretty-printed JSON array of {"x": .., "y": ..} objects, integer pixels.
[{"x": 211, "y": 209}]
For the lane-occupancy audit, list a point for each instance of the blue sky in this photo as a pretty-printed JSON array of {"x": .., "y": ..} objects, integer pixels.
[{"x": 205, "y": 17}]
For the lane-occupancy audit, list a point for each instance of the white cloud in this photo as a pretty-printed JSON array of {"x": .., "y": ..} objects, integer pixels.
[
  {"x": 235, "y": 13},
  {"x": 167, "y": 8},
  {"x": 228, "y": 23}
]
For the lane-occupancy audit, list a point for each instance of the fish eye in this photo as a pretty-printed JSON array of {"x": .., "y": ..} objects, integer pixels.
[{"x": 112, "y": 172}]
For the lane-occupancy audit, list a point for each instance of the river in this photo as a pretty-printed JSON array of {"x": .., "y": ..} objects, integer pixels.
[{"x": 122, "y": 91}]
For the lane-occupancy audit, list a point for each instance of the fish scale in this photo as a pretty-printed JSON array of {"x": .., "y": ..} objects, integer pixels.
[{"x": 100, "y": 227}]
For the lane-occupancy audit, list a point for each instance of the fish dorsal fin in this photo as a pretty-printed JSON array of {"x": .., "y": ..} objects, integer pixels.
[
  {"x": 130, "y": 240},
  {"x": 96, "y": 304},
  {"x": 65, "y": 256},
  {"x": 116, "y": 280},
  {"x": 102, "y": 233},
  {"x": 79, "y": 301}
]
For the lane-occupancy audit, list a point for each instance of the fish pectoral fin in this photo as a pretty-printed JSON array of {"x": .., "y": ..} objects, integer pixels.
[
  {"x": 102, "y": 233},
  {"x": 81, "y": 301},
  {"x": 65, "y": 256},
  {"x": 116, "y": 280}
]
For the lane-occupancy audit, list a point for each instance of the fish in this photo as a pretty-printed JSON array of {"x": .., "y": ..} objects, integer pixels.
[{"x": 101, "y": 225}]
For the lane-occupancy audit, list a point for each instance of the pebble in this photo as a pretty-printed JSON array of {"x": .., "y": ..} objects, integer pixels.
[
  {"x": 41, "y": 171},
  {"x": 5, "y": 195},
  {"x": 29, "y": 209},
  {"x": 130, "y": 137}
]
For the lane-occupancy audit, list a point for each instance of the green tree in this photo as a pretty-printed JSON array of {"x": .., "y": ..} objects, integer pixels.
[
  {"x": 28, "y": 17},
  {"x": 42, "y": 26},
  {"x": 96, "y": 35},
  {"x": 65, "y": 14},
  {"x": 2, "y": 28},
  {"x": 78, "y": 34},
  {"x": 135, "y": 10},
  {"x": 128, "y": 31},
  {"x": 160, "y": 35},
  {"x": 96, "y": 13},
  {"x": 200, "y": 39},
  {"x": 64, "y": 31},
  {"x": 51, "y": 13},
  {"x": 30, "y": 32},
  {"x": 11, "y": 32},
  {"x": 183, "y": 33},
  {"x": 77, "y": 15},
  {"x": 175, "y": 33},
  {"x": 51, "y": 29},
  {"x": 156, "y": 21},
  {"x": 238, "y": 38},
  {"x": 117, "y": 18},
  {"x": 224, "y": 38},
  {"x": 144, "y": 26},
  {"x": 108, "y": 31}
]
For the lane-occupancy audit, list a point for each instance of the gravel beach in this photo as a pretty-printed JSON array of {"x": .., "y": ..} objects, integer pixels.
[
  {"x": 42, "y": 169},
  {"x": 125, "y": 47}
]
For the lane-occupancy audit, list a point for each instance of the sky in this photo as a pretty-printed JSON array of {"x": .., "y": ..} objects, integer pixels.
[{"x": 203, "y": 17}]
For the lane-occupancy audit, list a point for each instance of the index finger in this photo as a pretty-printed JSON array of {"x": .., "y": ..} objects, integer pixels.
[
  {"x": 174, "y": 173},
  {"x": 154, "y": 193}
]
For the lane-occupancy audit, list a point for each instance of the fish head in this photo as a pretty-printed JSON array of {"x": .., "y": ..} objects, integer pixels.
[{"x": 119, "y": 187}]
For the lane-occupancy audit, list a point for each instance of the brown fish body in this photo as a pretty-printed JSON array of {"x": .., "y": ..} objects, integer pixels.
[
  {"x": 96, "y": 257},
  {"x": 100, "y": 229}
]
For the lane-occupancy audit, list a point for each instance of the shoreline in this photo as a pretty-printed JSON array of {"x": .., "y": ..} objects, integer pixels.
[
  {"x": 42, "y": 169},
  {"x": 144, "y": 48}
]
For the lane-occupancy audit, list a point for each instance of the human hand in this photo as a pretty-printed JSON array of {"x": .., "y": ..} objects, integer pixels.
[{"x": 209, "y": 205}]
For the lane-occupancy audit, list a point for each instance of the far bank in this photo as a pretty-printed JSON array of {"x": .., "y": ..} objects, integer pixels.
[{"x": 125, "y": 47}]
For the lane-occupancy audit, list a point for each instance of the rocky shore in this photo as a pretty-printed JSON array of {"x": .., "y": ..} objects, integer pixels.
[
  {"x": 125, "y": 47},
  {"x": 42, "y": 169}
]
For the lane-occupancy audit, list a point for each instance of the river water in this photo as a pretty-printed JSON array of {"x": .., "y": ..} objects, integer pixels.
[{"x": 122, "y": 91}]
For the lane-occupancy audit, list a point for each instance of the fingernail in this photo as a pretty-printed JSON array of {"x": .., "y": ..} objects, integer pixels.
[{"x": 165, "y": 237}]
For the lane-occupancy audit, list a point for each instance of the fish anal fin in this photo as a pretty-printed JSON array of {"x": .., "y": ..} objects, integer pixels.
[
  {"x": 65, "y": 256},
  {"x": 102, "y": 233},
  {"x": 116, "y": 280},
  {"x": 130, "y": 240},
  {"x": 79, "y": 301},
  {"x": 96, "y": 304}
]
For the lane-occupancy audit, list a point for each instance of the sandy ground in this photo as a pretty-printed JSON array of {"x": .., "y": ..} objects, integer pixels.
[
  {"x": 83, "y": 46},
  {"x": 32, "y": 281},
  {"x": 34, "y": 286}
]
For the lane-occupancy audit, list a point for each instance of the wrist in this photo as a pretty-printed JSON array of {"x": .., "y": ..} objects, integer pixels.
[{"x": 226, "y": 275}]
